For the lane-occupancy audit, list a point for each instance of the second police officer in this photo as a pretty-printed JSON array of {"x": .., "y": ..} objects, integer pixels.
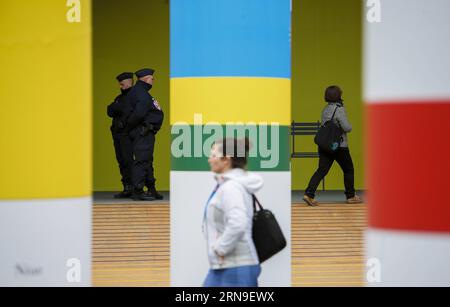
[{"x": 143, "y": 124}]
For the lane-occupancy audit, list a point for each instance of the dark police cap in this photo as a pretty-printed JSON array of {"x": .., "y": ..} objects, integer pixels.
[
  {"x": 145, "y": 72},
  {"x": 124, "y": 76}
]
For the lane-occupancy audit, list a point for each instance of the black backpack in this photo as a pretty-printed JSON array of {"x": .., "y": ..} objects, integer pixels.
[
  {"x": 329, "y": 135},
  {"x": 267, "y": 235}
]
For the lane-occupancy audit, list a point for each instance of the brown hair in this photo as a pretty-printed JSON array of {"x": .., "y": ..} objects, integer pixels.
[
  {"x": 333, "y": 94},
  {"x": 236, "y": 150}
]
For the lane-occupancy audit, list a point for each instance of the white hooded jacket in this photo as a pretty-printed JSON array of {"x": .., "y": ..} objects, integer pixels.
[{"x": 229, "y": 220}]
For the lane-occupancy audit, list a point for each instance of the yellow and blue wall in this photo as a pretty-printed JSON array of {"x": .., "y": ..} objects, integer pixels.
[{"x": 231, "y": 66}]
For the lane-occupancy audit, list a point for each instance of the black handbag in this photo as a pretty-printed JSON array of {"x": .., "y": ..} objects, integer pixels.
[
  {"x": 267, "y": 235},
  {"x": 329, "y": 135}
]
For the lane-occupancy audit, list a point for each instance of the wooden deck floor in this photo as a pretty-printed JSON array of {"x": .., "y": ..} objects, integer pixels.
[
  {"x": 327, "y": 245},
  {"x": 131, "y": 245}
]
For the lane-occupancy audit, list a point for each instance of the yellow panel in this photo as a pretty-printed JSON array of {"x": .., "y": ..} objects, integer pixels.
[
  {"x": 225, "y": 100},
  {"x": 45, "y": 118}
]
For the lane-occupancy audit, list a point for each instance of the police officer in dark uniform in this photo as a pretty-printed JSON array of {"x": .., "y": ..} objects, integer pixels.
[
  {"x": 143, "y": 124},
  {"x": 119, "y": 111}
]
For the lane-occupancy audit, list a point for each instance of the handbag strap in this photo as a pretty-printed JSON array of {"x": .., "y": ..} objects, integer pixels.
[
  {"x": 256, "y": 203},
  {"x": 335, "y": 110}
]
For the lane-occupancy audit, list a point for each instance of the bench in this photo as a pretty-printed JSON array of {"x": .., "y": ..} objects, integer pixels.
[{"x": 304, "y": 129}]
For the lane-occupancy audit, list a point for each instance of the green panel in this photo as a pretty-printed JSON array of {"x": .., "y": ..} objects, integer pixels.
[
  {"x": 128, "y": 35},
  {"x": 279, "y": 157},
  {"x": 326, "y": 42}
]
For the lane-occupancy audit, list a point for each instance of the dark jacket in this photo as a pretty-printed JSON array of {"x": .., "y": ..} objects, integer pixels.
[
  {"x": 146, "y": 111},
  {"x": 119, "y": 111}
]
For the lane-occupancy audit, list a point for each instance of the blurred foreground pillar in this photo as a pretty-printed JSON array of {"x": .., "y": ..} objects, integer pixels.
[
  {"x": 45, "y": 143},
  {"x": 407, "y": 90}
]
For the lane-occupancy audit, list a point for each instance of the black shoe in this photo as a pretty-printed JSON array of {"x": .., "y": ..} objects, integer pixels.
[
  {"x": 122, "y": 195},
  {"x": 141, "y": 196},
  {"x": 153, "y": 193}
]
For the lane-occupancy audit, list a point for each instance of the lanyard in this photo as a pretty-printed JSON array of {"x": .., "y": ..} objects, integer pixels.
[{"x": 209, "y": 200}]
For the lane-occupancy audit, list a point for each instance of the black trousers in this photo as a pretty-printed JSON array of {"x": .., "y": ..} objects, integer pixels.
[
  {"x": 142, "y": 171},
  {"x": 124, "y": 155},
  {"x": 343, "y": 158}
]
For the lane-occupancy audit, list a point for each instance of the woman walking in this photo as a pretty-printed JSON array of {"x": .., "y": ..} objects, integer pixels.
[
  {"x": 229, "y": 216},
  {"x": 335, "y": 107}
]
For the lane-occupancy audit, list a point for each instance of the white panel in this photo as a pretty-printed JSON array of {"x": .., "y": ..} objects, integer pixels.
[
  {"x": 189, "y": 193},
  {"x": 410, "y": 258},
  {"x": 37, "y": 238},
  {"x": 407, "y": 53}
]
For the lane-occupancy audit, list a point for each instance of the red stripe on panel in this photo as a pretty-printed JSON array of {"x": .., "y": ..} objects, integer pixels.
[{"x": 408, "y": 155}]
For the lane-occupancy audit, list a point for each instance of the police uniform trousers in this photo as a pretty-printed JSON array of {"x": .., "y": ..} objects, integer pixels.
[
  {"x": 142, "y": 171},
  {"x": 124, "y": 155}
]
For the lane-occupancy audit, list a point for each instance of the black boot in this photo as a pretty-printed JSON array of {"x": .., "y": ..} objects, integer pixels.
[
  {"x": 140, "y": 195},
  {"x": 153, "y": 193},
  {"x": 126, "y": 193}
]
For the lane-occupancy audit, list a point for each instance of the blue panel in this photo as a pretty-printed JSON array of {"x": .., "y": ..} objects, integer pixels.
[{"x": 242, "y": 38}]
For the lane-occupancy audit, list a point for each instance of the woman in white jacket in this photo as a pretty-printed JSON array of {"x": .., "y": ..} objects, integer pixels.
[{"x": 228, "y": 218}]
